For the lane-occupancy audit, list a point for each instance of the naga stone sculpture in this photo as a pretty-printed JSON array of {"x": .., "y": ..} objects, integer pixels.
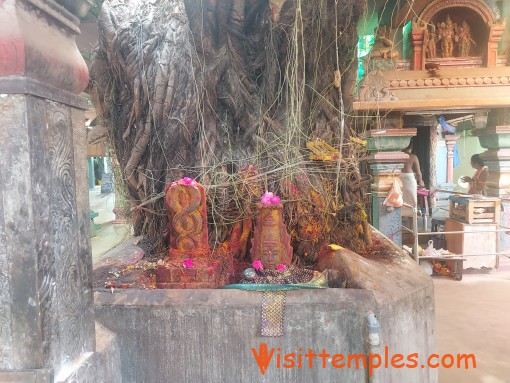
[{"x": 189, "y": 264}]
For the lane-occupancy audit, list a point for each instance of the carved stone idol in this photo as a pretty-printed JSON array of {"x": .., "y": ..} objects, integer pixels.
[
  {"x": 430, "y": 45},
  {"x": 446, "y": 36},
  {"x": 464, "y": 40},
  {"x": 383, "y": 45},
  {"x": 187, "y": 219},
  {"x": 189, "y": 264},
  {"x": 271, "y": 242}
]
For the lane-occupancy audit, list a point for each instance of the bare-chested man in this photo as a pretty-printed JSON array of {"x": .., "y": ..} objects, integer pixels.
[{"x": 411, "y": 180}]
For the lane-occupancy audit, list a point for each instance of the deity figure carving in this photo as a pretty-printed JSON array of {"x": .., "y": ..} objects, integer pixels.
[
  {"x": 430, "y": 46},
  {"x": 464, "y": 40},
  {"x": 446, "y": 36},
  {"x": 382, "y": 47},
  {"x": 271, "y": 242}
]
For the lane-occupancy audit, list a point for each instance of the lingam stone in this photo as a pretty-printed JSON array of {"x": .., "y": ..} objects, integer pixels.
[
  {"x": 271, "y": 242},
  {"x": 187, "y": 220}
]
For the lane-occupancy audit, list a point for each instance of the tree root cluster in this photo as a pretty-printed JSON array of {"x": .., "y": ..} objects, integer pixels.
[{"x": 229, "y": 92}]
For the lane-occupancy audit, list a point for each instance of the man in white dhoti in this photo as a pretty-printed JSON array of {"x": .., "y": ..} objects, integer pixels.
[{"x": 411, "y": 180}]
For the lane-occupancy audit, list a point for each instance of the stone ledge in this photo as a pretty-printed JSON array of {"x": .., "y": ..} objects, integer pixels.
[
  {"x": 24, "y": 85},
  {"x": 27, "y": 376}
]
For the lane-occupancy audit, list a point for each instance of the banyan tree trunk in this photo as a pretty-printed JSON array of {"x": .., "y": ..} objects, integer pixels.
[{"x": 230, "y": 92}]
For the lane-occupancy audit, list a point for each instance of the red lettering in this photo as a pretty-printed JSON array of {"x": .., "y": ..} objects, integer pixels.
[
  {"x": 310, "y": 357},
  {"x": 356, "y": 358},
  {"x": 414, "y": 359},
  {"x": 289, "y": 360},
  {"x": 451, "y": 363},
  {"x": 371, "y": 364},
  {"x": 429, "y": 363},
  {"x": 466, "y": 357},
  {"x": 263, "y": 358},
  {"x": 395, "y": 359},
  {"x": 337, "y": 358},
  {"x": 324, "y": 356}
]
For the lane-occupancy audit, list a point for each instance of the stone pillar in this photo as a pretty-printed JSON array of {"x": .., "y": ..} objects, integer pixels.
[
  {"x": 91, "y": 174},
  {"x": 46, "y": 308},
  {"x": 450, "y": 139},
  {"x": 496, "y": 139},
  {"x": 386, "y": 162}
]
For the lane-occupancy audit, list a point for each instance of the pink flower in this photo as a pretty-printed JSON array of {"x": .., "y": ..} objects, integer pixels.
[
  {"x": 266, "y": 198},
  {"x": 188, "y": 263},
  {"x": 275, "y": 200},
  {"x": 281, "y": 267},
  {"x": 270, "y": 199},
  {"x": 185, "y": 181},
  {"x": 257, "y": 265},
  {"x": 188, "y": 181},
  {"x": 250, "y": 169}
]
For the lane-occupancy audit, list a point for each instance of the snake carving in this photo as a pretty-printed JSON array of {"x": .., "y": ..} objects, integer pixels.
[{"x": 187, "y": 218}]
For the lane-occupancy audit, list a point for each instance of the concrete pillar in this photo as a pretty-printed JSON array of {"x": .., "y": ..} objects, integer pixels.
[
  {"x": 385, "y": 168},
  {"x": 495, "y": 137},
  {"x": 450, "y": 139},
  {"x": 91, "y": 173},
  {"x": 46, "y": 308},
  {"x": 386, "y": 161}
]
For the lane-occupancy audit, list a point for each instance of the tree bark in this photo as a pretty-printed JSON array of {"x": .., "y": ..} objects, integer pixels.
[{"x": 207, "y": 88}]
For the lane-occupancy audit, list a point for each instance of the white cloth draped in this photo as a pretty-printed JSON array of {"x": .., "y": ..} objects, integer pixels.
[{"x": 409, "y": 190}]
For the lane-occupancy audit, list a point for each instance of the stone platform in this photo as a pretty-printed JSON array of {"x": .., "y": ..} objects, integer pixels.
[{"x": 207, "y": 335}]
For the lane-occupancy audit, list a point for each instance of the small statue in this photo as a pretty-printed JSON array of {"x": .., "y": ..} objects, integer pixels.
[
  {"x": 382, "y": 47},
  {"x": 189, "y": 264},
  {"x": 446, "y": 36},
  {"x": 271, "y": 242},
  {"x": 430, "y": 47},
  {"x": 464, "y": 40}
]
